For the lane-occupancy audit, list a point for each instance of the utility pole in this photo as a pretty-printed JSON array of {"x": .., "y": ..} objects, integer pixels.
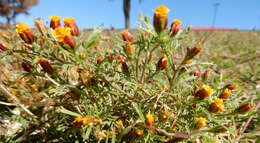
[{"x": 216, "y": 5}]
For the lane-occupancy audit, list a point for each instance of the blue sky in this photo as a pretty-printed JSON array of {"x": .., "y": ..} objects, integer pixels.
[{"x": 241, "y": 14}]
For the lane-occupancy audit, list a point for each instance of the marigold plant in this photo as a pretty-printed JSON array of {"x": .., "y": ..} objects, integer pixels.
[{"x": 139, "y": 87}]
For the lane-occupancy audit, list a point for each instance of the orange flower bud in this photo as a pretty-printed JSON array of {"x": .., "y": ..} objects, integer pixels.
[
  {"x": 99, "y": 60},
  {"x": 139, "y": 132},
  {"x": 46, "y": 65},
  {"x": 204, "y": 92},
  {"x": 149, "y": 121},
  {"x": 120, "y": 58},
  {"x": 165, "y": 88},
  {"x": 175, "y": 27},
  {"x": 111, "y": 57},
  {"x": 78, "y": 121},
  {"x": 111, "y": 134},
  {"x": 127, "y": 36},
  {"x": 197, "y": 74},
  {"x": 130, "y": 50},
  {"x": 231, "y": 86},
  {"x": 26, "y": 66},
  {"x": 193, "y": 51},
  {"x": 160, "y": 18},
  {"x": 25, "y": 33},
  {"x": 69, "y": 22},
  {"x": 162, "y": 63},
  {"x": 55, "y": 21},
  {"x": 64, "y": 37},
  {"x": 88, "y": 120},
  {"x": 3, "y": 47},
  {"x": 217, "y": 105},
  {"x": 245, "y": 108},
  {"x": 34, "y": 88},
  {"x": 69, "y": 40},
  {"x": 225, "y": 94},
  {"x": 120, "y": 125}
]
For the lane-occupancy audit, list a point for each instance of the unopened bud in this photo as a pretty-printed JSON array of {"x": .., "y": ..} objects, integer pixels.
[
  {"x": 130, "y": 50},
  {"x": 204, "y": 92},
  {"x": 162, "y": 63},
  {"x": 193, "y": 51},
  {"x": 46, "y": 65},
  {"x": 245, "y": 108},
  {"x": 127, "y": 36},
  {"x": 206, "y": 74},
  {"x": 231, "y": 86},
  {"x": 225, "y": 94},
  {"x": 175, "y": 27},
  {"x": 26, "y": 66},
  {"x": 99, "y": 60},
  {"x": 120, "y": 58},
  {"x": 149, "y": 121},
  {"x": 197, "y": 74},
  {"x": 125, "y": 67},
  {"x": 139, "y": 132}
]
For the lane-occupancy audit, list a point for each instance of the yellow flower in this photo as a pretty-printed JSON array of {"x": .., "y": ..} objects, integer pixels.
[
  {"x": 204, "y": 92},
  {"x": 201, "y": 122},
  {"x": 139, "y": 132},
  {"x": 111, "y": 134},
  {"x": 177, "y": 21},
  {"x": 161, "y": 11},
  {"x": 120, "y": 125},
  {"x": 217, "y": 105},
  {"x": 225, "y": 94},
  {"x": 227, "y": 91},
  {"x": 124, "y": 32},
  {"x": 60, "y": 33},
  {"x": 68, "y": 20},
  {"x": 78, "y": 121},
  {"x": 54, "y": 18},
  {"x": 149, "y": 119},
  {"x": 208, "y": 89},
  {"x": 20, "y": 28},
  {"x": 88, "y": 120}
]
